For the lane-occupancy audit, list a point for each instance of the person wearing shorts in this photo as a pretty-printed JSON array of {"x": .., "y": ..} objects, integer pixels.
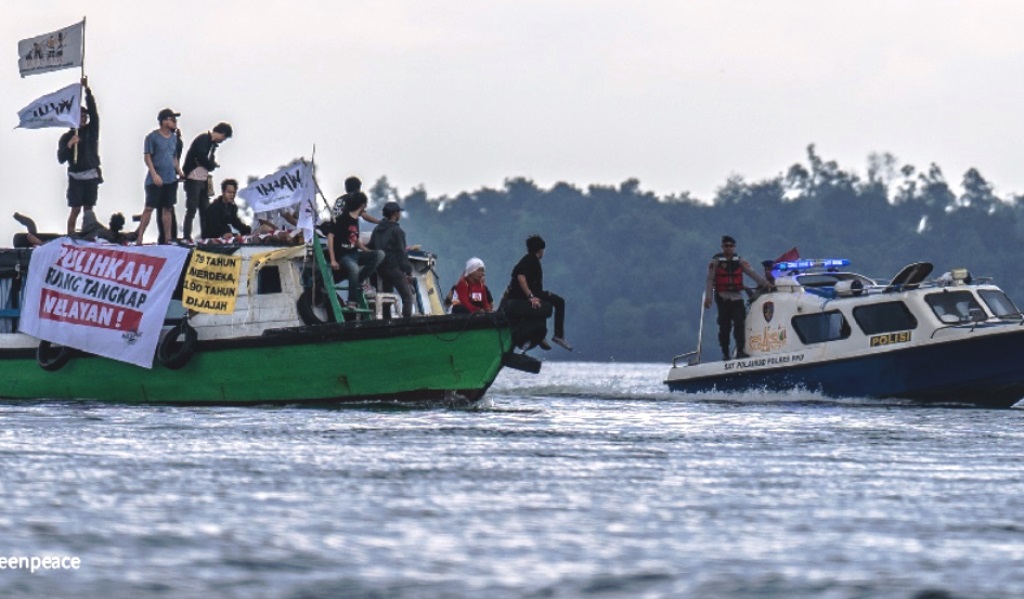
[
  {"x": 79, "y": 149},
  {"x": 161, "y": 152}
]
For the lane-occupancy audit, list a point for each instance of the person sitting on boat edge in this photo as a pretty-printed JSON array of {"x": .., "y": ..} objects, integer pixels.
[
  {"x": 471, "y": 293},
  {"x": 725, "y": 286},
  {"x": 222, "y": 214},
  {"x": 351, "y": 260},
  {"x": 527, "y": 285},
  {"x": 92, "y": 230},
  {"x": 395, "y": 270}
]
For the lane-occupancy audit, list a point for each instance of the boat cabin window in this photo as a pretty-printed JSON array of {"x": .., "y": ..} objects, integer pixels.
[
  {"x": 999, "y": 304},
  {"x": 821, "y": 327},
  {"x": 268, "y": 280},
  {"x": 886, "y": 317},
  {"x": 817, "y": 280},
  {"x": 955, "y": 306}
]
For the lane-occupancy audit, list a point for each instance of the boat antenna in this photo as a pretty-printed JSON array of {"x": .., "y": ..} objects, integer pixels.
[{"x": 316, "y": 184}]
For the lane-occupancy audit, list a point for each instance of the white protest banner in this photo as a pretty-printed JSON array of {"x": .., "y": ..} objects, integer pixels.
[
  {"x": 287, "y": 187},
  {"x": 105, "y": 301},
  {"x": 60, "y": 109},
  {"x": 62, "y": 49},
  {"x": 308, "y": 219}
]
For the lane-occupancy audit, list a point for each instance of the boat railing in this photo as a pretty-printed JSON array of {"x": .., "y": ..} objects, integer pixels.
[{"x": 693, "y": 357}]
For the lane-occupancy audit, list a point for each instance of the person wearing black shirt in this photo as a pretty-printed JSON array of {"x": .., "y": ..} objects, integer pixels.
[
  {"x": 528, "y": 284},
  {"x": 351, "y": 260},
  {"x": 200, "y": 161},
  {"x": 84, "y": 174},
  {"x": 222, "y": 214}
]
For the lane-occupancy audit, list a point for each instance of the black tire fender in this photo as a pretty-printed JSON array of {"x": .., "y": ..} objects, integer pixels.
[
  {"x": 175, "y": 354},
  {"x": 51, "y": 356},
  {"x": 306, "y": 307}
]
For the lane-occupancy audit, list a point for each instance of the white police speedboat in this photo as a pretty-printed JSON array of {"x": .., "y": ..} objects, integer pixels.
[{"x": 825, "y": 329}]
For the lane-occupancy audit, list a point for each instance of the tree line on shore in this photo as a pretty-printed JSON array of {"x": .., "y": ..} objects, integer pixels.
[{"x": 631, "y": 265}]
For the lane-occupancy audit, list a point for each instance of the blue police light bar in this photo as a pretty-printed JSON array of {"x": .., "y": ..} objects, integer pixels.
[{"x": 805, "y": 264}]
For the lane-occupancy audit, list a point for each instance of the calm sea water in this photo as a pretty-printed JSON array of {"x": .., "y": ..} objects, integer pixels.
[{"x": 587, "y": 481}]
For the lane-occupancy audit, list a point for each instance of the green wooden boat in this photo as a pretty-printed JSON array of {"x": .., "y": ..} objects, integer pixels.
[{"x": 273, "y": 347}]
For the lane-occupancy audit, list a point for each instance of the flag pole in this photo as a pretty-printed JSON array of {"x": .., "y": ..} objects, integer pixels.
[
  {"x": 82, "y": 93},
  {"x": 83, "y": 47}
]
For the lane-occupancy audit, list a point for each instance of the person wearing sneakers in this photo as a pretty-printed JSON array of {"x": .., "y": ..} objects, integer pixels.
[
  {"x": 725, "y": 287},
  {"x": 351, "y": 260},
  {"x": 161, "y": 154},
  {"x": 528, "y": 284}
]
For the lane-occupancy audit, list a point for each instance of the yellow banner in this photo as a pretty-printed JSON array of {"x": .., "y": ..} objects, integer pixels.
[{"x": 211, "y": 283}]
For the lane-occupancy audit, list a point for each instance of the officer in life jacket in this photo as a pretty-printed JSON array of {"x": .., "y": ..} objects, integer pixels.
[{"x": 725, "y": 285}]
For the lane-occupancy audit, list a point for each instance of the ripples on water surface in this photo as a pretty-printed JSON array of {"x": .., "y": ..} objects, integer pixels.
[{"x": 589, "y": 480}]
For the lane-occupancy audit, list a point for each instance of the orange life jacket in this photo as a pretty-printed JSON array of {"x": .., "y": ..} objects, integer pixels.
[{"x": 728, "y": 273}]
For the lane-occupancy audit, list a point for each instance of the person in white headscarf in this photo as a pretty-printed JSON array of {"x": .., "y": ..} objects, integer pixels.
[{"x": 471, "y": 292}]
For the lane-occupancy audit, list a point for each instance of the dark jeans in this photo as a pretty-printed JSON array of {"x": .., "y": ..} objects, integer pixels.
[
  {"x": 559, "y": 306},
  {"x": 394, "y": 278},
  {"x": 197, "y": 198},
  {"x": 732, "y": 314},
  {"x": 356, "y": 267}
]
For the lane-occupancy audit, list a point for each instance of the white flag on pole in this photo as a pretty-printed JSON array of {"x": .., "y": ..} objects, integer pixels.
[
  {"x": 287, "y": 187},
  {"x": 61, "y": 49},
  {"x": 60, "y": 109},
  {"x": 308, "y": 219}
]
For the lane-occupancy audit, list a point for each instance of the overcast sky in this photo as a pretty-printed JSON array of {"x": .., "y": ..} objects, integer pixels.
[{"x": 460, "y": 94}]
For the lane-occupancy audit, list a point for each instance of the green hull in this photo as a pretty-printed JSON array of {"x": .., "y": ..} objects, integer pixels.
[{"x": 422, "y": 359}]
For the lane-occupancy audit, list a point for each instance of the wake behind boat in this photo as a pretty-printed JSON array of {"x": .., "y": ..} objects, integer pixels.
[{"x": 826, "y": 329}]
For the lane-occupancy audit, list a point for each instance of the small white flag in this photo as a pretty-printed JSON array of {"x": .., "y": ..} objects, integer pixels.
[
  {"x": 308, "y": 219},
  {"x": 62, "y": 49},
  {"x": 60, "y": 109},
  {"x": 287, "y": 187}
]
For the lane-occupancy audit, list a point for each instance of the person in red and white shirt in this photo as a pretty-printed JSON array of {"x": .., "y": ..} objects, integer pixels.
[{"x": 471, "y": 293}]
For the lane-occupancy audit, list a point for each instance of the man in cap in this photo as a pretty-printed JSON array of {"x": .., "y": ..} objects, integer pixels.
[
  {"x": 395, "y": 270},
  {"x": 725, "y": 286},
  {"x": 161, "y": 152},
  {"x": 79, "y": 148}
]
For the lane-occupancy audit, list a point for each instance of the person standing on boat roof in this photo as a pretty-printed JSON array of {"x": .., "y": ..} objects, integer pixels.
[
  {"x": 725, "y": 286},
  {"x": 395, "y": 271},
  {"x": 350, "y": 258},
  {"x": 161, "y": 152},
  {"x": 84, "y": 174},
  {"x": 528, "y": 284},
  {"x": 199, "y": 163}
]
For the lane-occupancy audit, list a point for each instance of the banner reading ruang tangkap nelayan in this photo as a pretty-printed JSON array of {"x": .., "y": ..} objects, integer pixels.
[
  {"x": 61, "y": 49},
  {"x": 102, "y": 299}
]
